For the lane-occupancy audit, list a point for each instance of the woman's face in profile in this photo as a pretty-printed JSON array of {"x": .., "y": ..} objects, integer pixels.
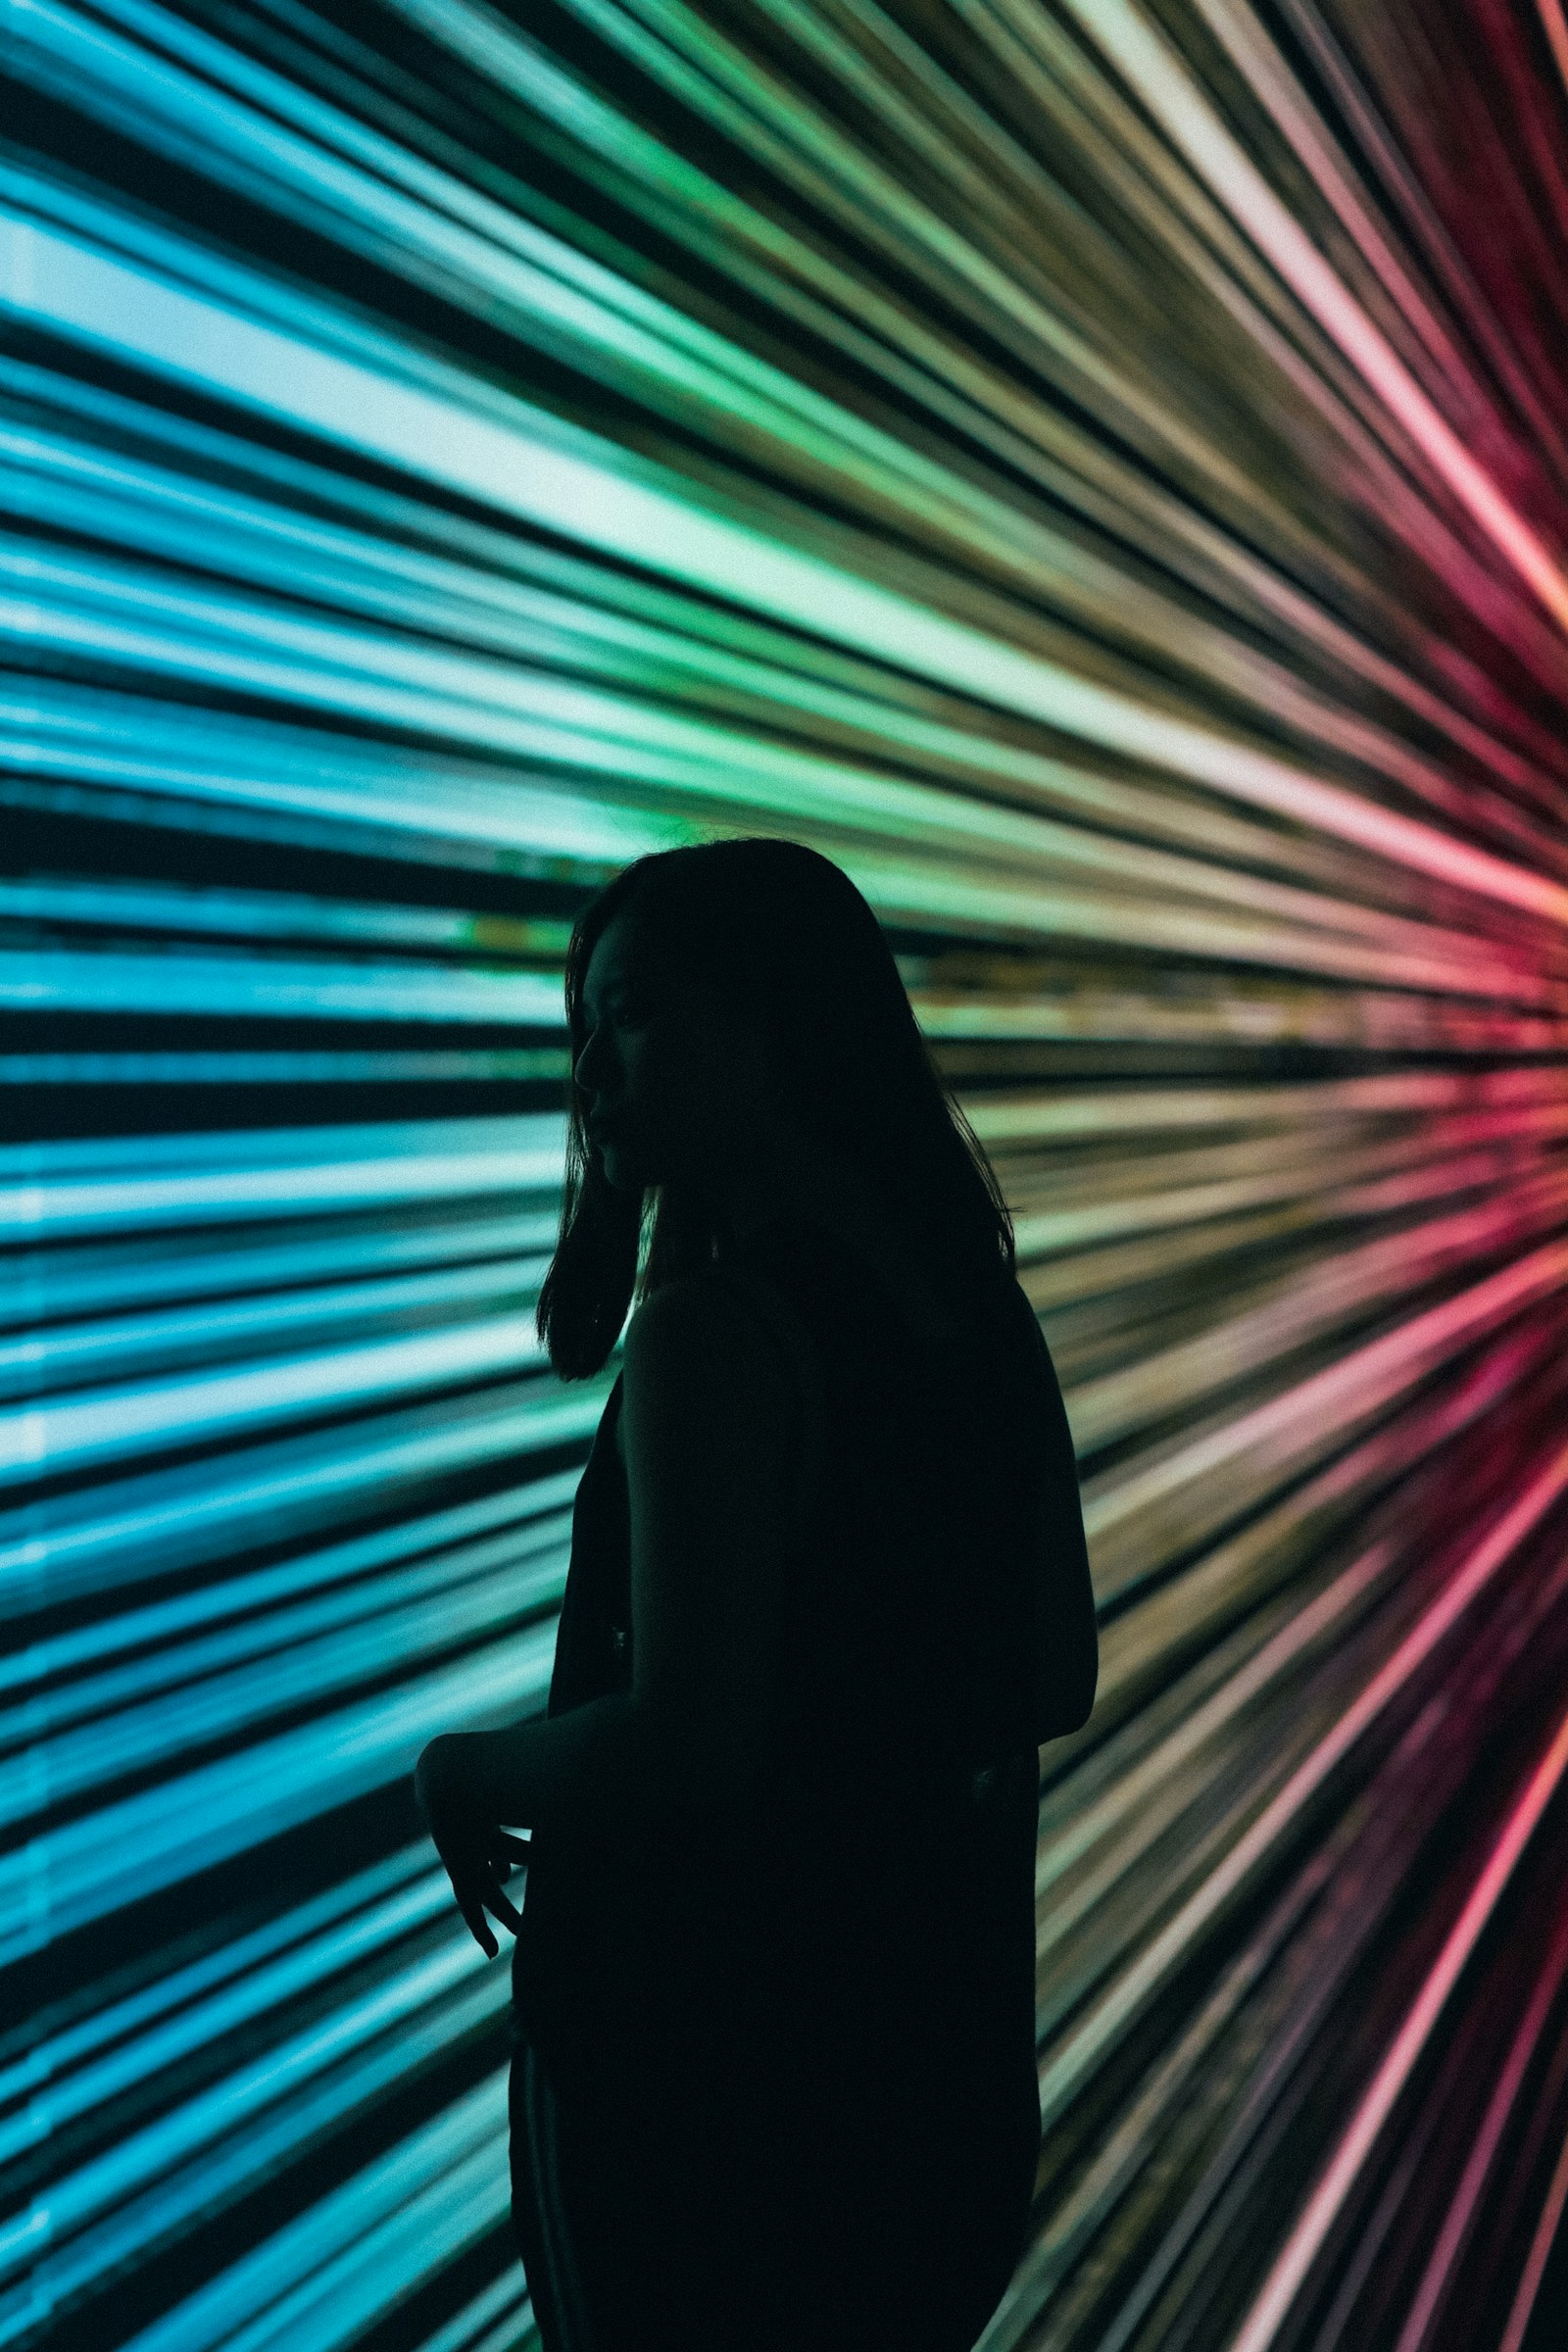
[{"x": 669, "y": 1080}]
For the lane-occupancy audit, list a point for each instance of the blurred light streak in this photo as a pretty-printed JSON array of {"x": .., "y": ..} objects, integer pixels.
[
  {"x": 1112, "y": 510},
  {"x": 272, "y": 914},
  {"x": 1154, "y": 73},
  {"x": 79, "y": 1279},
  {"x": 278, "y": 1070},
  {"x": 144, "y": 2046},
  {"x": 1112, "y": 2014},
  {"x": 429, "y": 2164},
  {"x": 574, "y": 484},
  {"x": 1555, "y": 26},
  {"x": 1461, "y": 2216},
  {"x": 173, "y": 1829},
  {"x": 456, "y": 2152},
  {"x": 135, "y": 2162},
  {"x": 129, "y": 1344},
  {"x": 221, "y": 1687},
  {"x": 95, "y": 1427},
  {"x": 1264, "y": 2320},
  {"x": 1541, "y": 2245},
  {"x": 517, "y": 1509},
  {"x": 367, "y": 1168},
  {"x": 1310, "y": 1415},
  {"x": 161, "y": 1519}
]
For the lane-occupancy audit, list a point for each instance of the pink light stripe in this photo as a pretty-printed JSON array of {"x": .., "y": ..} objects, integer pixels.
[
  {"x": 1264, "y": 2322},
  {"x": 1555, "y": 25},
  {"x": 1467, "y": 2197},
  {"x": 1161, "y": 79},
  {"x": 1524, "y": 2302},
  {"x": 1354, "y": 1383},
  {"x": 1114, "y": 2012}
]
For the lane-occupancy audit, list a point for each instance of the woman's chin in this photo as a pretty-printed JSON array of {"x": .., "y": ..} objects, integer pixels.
[{"x": 620, "y": 1168}]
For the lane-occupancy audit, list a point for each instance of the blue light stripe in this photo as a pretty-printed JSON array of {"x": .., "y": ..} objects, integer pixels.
[
  {"x": 232, "y": 1695},
  {"x": 466, "y": 2131},
  {"x": 225, "y": 1195},
  {"x": 281, "y": 1069},
  {"x": 276, "y": 914},
  {"x": 491, "y": 1143},
  {"x": 178, "y": 1828},
  {"x": 106, "y": 1277},
  {"x": 150, "y": 1417},
  {"x": 295, "y": 781},
  {"x": 541, "y": 1528},
  {"x": 56, "y": 2056},
  {"x": 110, "y": 1346},
  {"x": 374, "y": 2271},
  {"x": 203, "y": 2185},
  {"x": 160, "y": 1521},
  {"x": 505, "y": 2296},
  {"x": 177, "y": 980},
  {"x": 201, "y": 2024},
  {"x": 227, "y": 2108}
]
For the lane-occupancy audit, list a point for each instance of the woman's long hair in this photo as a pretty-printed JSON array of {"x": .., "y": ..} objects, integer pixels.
[{"x": 784, "y": 937}]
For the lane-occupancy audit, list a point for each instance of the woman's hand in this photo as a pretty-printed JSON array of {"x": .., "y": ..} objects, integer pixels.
[{"x": 477, "y": 1853}]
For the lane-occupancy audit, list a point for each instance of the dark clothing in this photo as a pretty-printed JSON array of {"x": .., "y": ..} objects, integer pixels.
[{"x": 775, "y": 2080}]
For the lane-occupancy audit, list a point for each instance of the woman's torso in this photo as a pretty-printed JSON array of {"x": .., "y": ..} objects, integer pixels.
[{"x": 909, "y": 1610}]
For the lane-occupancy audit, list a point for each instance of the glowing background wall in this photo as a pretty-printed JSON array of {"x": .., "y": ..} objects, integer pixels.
[{"x": 1097, "y": 471}]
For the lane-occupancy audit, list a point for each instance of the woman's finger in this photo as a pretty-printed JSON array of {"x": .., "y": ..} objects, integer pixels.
[
  {"x": 476, "y": 1894},
  {"x": 479, "y": 1927},
  {"x": 497, "y": 1902}
]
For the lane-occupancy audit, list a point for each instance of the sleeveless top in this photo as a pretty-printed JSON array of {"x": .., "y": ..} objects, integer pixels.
[{"x": 938, "y": 1538}]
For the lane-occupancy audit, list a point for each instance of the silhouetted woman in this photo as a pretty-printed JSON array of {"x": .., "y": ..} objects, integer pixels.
[{"x": 774, "y": 2083}]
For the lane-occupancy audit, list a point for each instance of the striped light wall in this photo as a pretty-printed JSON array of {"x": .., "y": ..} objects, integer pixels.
[{"x": 1099, "y": 470}]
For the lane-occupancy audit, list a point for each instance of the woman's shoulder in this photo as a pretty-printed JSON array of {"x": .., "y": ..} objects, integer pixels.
[{"x": 844, "y": 1267}]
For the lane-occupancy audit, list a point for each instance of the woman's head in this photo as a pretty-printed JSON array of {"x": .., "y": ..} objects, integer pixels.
[{"x": 721, "y": 999}]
